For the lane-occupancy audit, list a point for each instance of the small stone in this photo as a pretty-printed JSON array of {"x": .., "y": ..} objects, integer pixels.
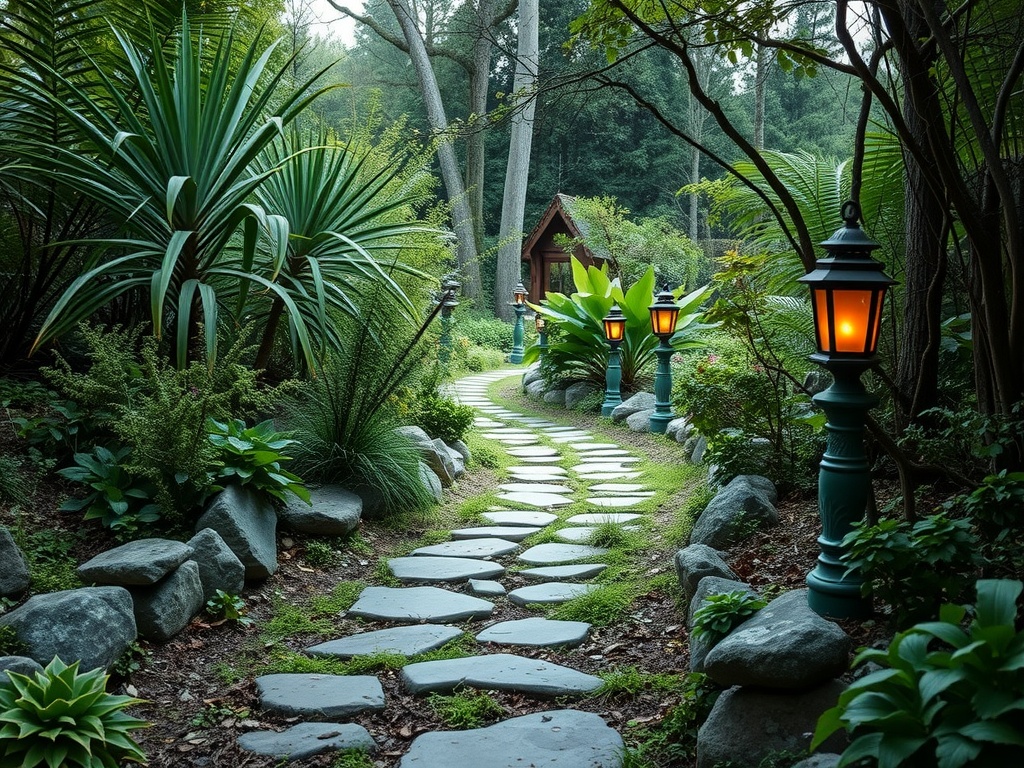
[
  {"x": 334, "y": 511},
  {"x": 410, "y": 570},
  {"x": 472, "y": 548},
  {"x": 507, "y": 532},
  {"x": 308, "y": 739},
  {"x": 144, "y": 561},
  {"x": 641, "y": 401},
  {"x": 163, "y": 609},
  {"x": 430, "y": 481},
  {"x": 21, "y": 665},
  {"x": 640, "y": 421},
  {"x": 563, "y": 572},
  {"x": 498, "y": 672},
  {"x": 219, "y": 567},
  {"x": 416, "y": 604},
  {"x": 319, "y": 696},
  {"x": 522, "y": 518},
  {"x": 695, "y": 562},
  {"x": 409, "y": 640},
  {"x": 14, "y": 576},
  {"x": 536, "y": 499},
  {"x": 555, "y": 554},
  {"x": 248, "y": 524},
  {"x": 486, "y": 588},
  {"x": 736, "y": 512},
  {"x": 536, "y": 632},
  {"x": 549, "y": 593}
]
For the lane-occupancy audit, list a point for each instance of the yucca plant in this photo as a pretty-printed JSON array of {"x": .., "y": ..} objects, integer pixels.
[
  {"x": 581, "y": 350},
  {"x": 65, "y": 719},
  {"x": 177, "y": 168}
]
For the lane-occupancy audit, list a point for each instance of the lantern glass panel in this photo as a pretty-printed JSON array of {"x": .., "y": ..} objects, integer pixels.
[
  {"x": 663, "y": 321},
  {"x": 855, "y": 320},
  {"x": 614, "y": 330},
  {"x": 539, "y": 321}
]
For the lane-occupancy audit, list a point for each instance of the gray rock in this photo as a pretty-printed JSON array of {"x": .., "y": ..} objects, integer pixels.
[
  {"x": 14, "y": 576},
  {"x": 375, "y": 505},
  {"x": 563, "y": 572},
  {"x": 817, "y": 381},
  {"x": 334, "y": 512},
  {"x": 472, "y": 548},
  {"x": 558, "y": 554},
  {"x": 456, "y": 458},
  {"x": 308, "y": 739},
  {"x": 746, "y": 725},
  {"x": 316, "y": 697},
  {"x": 826, "y": 760},
  {"x": 440, "y": 461},
  {"x": 762, "y": 484},
  {"x": 549, "y": 593},
  {"x": 695, "y": 562},
  {"x": 165, "y": 608},
  {"x": 21, "y": 665},
  {"x": 93, "y": 624},
  {"x": 498, "y": 672},
  {"x": 430, "y": 481},
  {"x": 410, "y": 570},
  {"x": 414, "y": 435},
  {"x": 462, "y": 449},
  {"x": 577, "y": 392},
  {"x": 678, "y": 426},
  {"x": 219, "y": 567},
  {"x": 415, "y": 604},
  {"x": 536, "y": 632},
  {"x": 699, "y": 448},
  {"x": 640, "y": 421},
  {"x": 507, "y": 532},
  {"x": 603, "y": 518},
  {"x": 736, "y": 512},
  {"x": 555, "y": 396},
  {"x": 521, "y": 518},
  {"x": 140, "y": 562},
  {"x": 532, "y": 374},
  {"x": 784, "y": 645},
  {"x": 248, "y": 525},
  {"x": 709, "y": 585},
  {"x": 559, "y": 738},
  {"x": 535, "y": 499},
  {"x": 689, "y": 444},
  {"x": 536, "y": 388},
  {"x": 641, "y": 401},
  {"x": 407, "y": 640},
  {"x": 486, "y": 588}
]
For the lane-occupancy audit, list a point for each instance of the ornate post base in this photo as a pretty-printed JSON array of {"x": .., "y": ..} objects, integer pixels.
[
  {"x": 662, "y": 389},
  {"x": 612, "y": 382},
  {"x": 517, "y": 336},
  {"x": 844, "y": 485},
  {"x": 542, "y": 343}
]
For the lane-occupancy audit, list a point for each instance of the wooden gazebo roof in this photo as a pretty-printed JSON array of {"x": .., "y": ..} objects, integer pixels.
[{"x": 541, "y": 251}]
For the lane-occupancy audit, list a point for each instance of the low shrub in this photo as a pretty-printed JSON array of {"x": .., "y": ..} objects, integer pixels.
[
  {"x": 477, "y": 359},
  {"x": 488, "y": 332},
  {"x": 442, "y": 417},
  {"x": 118, "y": 499}
]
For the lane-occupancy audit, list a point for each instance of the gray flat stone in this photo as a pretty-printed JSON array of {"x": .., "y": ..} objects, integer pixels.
[
  {"x": 415, "y": 604},
  {"x": 534, "y": 488},
  {"x": 532, "y": 470},
  {"x": 507, "y": 532},
  {"x": 622, "y": 458},
  {"x": 308, "y": 739},
  {"x": 608, "y": 475},
  {"x": 475, "y": 548},
  {"x": 536, "y": 499},
  {"x": 536, "y": 632},
  {"x": 533, "y": 450},
  {"x": 606, "y": 452},
  {"x": 512, "y": 431},
  {"x": 320, "y": 696},
  {"x": 616, "y": 501},
  {"x": 563, "y": 572},
  {"x": 486, "y": 588},
  {"x": 517, "y": 441},
  {"x": 561, "y": 739},
  {"x": 555, "y": 554},
  {"x": 634, "y": 488},
  {"x": 522, "y": 518},
  {"x": 589, "y": 468},
  {"x": 538, "y": 478},
  {"x": 139, "y": 562},
  {"x": 582, "y": 534},
  {"x": 548, "y": 460},
  {"x": 585, "y": 447},
  {"x": 549, "y": 593},
  {"x": 408, "y": 641},
  {"x": 410, "y": 570},
  {"x": 334, "y": 511},
  {"x": 498, "y": 672},
  {"x": 571, "y": 438},
  {"x": 600, "y": 518}
]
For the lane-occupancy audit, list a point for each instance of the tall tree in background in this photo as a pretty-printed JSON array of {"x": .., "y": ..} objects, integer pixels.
[{"x": 517, "y": 171}]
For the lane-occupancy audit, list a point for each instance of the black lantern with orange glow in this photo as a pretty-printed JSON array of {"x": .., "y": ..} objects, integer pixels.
[
  {"x": 664, "y": 316},
  {"x": 614, "y": 333},
  {"x": 847, "y": 294}
]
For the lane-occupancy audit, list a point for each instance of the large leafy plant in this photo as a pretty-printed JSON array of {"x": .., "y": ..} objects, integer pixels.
[
  {"x": 116, "y": 497},
  {"x": 252, "y": 456},
  {"x": 65, "y": 719},
  {"x": 958, "y": 704},
  {"x": 580, "y": 350},
  {"x": 723, "y": 613}
]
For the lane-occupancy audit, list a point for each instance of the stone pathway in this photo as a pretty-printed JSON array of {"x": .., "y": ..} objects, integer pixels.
[{"x": 459, "y": 574}]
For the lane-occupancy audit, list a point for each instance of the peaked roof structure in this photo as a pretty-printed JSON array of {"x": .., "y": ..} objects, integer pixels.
[{"x": 541, "y": 250}]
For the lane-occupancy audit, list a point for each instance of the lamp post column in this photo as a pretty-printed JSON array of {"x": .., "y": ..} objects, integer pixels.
[
  {"x": 844, "y": 485},
  {"x": 517, "y": 336},
  {"x": 612, "y": 382},
  {"x": 662, "y": 388}
]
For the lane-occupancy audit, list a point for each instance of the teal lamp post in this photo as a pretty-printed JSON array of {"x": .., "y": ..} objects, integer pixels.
[
  {"x": 450, "y": 288},
  {"x": 847, "y": 291},
  {"x": 614, "y": 333},
  {"x": 542, "y": 334},
  {"x": 519, "y": 302},
  {"x": 664, "y": 314}
]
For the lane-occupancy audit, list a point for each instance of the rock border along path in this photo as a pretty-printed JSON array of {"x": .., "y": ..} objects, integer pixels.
[{"x": 530, "y": 499}]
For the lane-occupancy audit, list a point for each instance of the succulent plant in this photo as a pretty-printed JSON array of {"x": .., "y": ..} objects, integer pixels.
[{"x": 65, "y": 719}]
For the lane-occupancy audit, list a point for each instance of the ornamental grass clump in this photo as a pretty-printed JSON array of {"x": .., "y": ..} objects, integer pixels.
[{"x": 64, "y": 719}]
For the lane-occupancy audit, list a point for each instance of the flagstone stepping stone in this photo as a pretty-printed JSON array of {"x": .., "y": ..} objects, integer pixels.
[
  {"x": 507, "y": 532},
  {"x": 486, "y": 423},
  {"x": 409, "y": 640},
  {"x": 563, "y": 572},
  {"x": 551, "y": 460},
  {"x": 549, "y": 593},
  {"x": 539, "y": 487},
  {"x": 616, "y": 501},
  {"x": 536, "y": 632},
  {"x": 555, "y": 554},
  {"x": 319, "y": 696},
  {"x": 608, "y": 475},
  {"x": 533, "y": 450},
  {"x": 498, "y": 672},
  {"x": 536, "y": 499},
  {"x": 605, "y": 452},
  {"x": 486, "y": 588},
  {"x": 415, "y": 604},
  {"x": 600, "y": 518},
  {"x": 512, "y": 431},
  {"x": 584, "y": 447},
  {"x": 590, "y": 458},
  {"x": 519, "y": 518},
  {"x": 590, "y": 469},
  {"x": 410, "y": 570},
  {"x": 478, "y": 548},
  {"x": 308, "y": 739},
  {"x": 527, "y": 470},
  {"x": 559, "y": 429},
  {"x": 577, "y": 438},
  {"x": 634, "y": 488},
  {"x": 559, "y": 738},
  {"x": 583, "y": 534}
]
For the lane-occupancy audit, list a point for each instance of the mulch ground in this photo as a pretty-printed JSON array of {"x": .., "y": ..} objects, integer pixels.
[{"x": 197, "y": 715}]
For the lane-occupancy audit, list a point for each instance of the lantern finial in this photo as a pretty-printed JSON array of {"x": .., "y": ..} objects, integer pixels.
[{"x": 850, "y": 213}]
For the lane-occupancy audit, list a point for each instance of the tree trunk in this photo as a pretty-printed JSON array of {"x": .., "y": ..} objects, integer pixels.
[
  {"x": 517, "y": 173},
  {"x": 477, "y": 122},
  {"x": 462, "y": 216},
  {"x": 760, "y": 81}
]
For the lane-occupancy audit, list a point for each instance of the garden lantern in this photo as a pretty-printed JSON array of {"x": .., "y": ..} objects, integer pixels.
[
  {"x": 847, "y": 291},
  {"x": 614, "y": 333},
  {"x": 664, "y": 314},
  {"x": 519, "y": 303},
  {"x": 450, "y": 289},
  {"x": 542, "y": 334}
]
